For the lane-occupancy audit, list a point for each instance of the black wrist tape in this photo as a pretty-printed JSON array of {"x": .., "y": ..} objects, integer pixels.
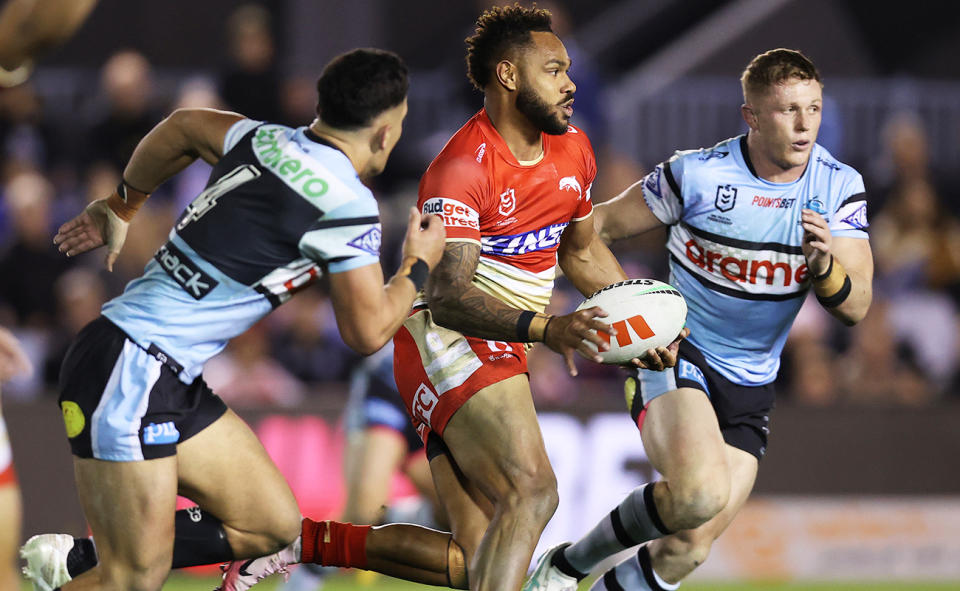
[
  {"x": 523, "y": 326},
  {"x": 419, "y": 272},
  {"x": 837, "y": 298}
]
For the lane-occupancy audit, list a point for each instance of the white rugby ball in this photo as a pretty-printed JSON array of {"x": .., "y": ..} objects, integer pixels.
[{"x": 646, "y": 314}]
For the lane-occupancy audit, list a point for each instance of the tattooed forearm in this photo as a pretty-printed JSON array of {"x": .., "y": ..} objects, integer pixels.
[{"x": 456, "y": 304}]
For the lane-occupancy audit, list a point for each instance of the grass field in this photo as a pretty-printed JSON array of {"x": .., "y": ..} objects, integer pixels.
[{"x": 179, "y": 582}]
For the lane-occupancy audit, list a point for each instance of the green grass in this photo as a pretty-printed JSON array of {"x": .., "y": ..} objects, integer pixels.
[{"x": 179, "y": 582}]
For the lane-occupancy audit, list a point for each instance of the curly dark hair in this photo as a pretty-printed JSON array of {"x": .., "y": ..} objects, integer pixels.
[
  {"x": 500, "y": 30},
  {"x": 775, "y": 67},
  {"x": 358, "y": 85}
]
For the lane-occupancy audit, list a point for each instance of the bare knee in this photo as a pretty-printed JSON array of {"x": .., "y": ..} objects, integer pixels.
[
  {"x": 696, "y": 503},
  {"x": 532, "y": 492},
  {"x": 135, "y": 575}
]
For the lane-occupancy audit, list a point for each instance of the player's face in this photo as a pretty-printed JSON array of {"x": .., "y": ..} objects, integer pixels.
[
  {"x": 392, "y": 118},
  {"x": 545, "y": 91},
  {"x": 786, "y": 120}
]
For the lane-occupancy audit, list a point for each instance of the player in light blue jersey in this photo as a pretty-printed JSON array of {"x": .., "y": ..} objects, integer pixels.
[
  {"x": 282, "y": 206},
  {"x": 755, "y": 222}
]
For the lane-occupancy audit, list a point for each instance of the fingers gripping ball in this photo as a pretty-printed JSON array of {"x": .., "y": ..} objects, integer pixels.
[{"x": 646, "y": 314}]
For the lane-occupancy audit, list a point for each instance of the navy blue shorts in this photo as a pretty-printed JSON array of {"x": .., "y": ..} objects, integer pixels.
[
  {"x": 743, "y": 412},
  {"x": 123, "y": 403}
]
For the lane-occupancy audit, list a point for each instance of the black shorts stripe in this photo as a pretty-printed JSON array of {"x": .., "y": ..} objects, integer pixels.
[
  {"x": 736, "y": 293},
  {"x": 361, "y": 221},
  {"x": 747, "y": 244}
]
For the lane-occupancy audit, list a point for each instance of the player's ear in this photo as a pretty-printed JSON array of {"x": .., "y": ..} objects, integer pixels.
[
  {"x": 748, "y": 115},
  {"x": 378, "y": 141},
  {"x": 507, "y": 74}
]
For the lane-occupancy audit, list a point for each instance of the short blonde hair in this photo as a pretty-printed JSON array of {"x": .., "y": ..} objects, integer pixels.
[{"x": 775, "y": 67}]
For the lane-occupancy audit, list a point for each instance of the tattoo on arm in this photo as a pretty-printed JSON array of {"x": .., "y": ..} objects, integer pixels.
[{"x": 457, "y": 304}]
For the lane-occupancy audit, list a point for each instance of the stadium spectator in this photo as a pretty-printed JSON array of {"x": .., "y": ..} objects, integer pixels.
[
  {"x": 251, "y": 83},
  {"x": 13, "y": 361},
  {"x": 126, "y": 81}
]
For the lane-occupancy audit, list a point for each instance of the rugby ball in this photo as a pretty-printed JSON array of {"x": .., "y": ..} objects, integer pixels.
[{"x": 646, "y": 314}]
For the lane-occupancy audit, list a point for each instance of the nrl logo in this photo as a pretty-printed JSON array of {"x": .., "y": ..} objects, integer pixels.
[
  {"x": 726, "y": 197},
  {"x": 571, "y": 183}
]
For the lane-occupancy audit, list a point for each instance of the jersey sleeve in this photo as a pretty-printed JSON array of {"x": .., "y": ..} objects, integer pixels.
[
  {"x": 237, "y": 131},
  {"x": 585, "y": 206},
  {"x": 345, "y": 238},
  {"x": 850, "y": 216},
  {"x": 454, "y": 190},
  {"x": 662, "y": 191}
]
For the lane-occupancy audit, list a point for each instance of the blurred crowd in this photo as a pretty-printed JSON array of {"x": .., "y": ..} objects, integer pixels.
[{"x": 905, "y": 352}]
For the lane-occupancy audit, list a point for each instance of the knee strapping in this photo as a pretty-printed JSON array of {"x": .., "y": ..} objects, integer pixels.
[{"x": 456, "y": 566}]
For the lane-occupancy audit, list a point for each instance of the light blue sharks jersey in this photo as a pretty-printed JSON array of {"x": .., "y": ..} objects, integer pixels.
[
  {"x": 281, "y": 207},
  {"x": 735, "y": 247}
]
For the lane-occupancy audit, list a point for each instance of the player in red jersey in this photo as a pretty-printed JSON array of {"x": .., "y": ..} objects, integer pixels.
[
  {"x": 513, "y": 188},
  {"x": 13, "y": 361}
]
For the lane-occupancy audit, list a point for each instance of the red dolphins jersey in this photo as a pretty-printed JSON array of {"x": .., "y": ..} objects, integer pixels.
[{"x": 515, "y": 211}]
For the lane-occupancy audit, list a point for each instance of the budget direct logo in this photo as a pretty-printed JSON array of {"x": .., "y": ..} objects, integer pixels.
[{"x": 454, "y": 213}]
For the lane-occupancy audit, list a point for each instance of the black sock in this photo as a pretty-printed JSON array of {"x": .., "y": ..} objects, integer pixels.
[
  {"x": 82, "y": 557},
  {"x": 199, "y": 538}
]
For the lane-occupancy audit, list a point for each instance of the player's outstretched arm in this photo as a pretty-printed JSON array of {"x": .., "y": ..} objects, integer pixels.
[
  {"x": 31, "y": 27},
  {"x": 457, "y": 304},
  {"x": 625, "y": 215},
  {"x": 178, "y": 140},
  {"x": 841, "y": 269},
  {"x": 368, "y": 311}
]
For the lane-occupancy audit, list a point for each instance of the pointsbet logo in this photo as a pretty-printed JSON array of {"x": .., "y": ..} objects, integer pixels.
[{"x": 454, "y": 213}]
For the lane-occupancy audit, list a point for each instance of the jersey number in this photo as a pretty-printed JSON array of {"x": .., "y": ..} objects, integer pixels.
[{"x": 207, "y": 200}]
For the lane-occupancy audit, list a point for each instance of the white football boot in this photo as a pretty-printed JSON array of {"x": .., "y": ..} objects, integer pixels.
[
  {"x": 240, "y": 575},
  {"x": 546, "y": 577},
  {"x": 46, "y": 556}
]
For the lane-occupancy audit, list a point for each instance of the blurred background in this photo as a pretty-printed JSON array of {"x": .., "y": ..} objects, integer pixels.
[{"x": 861, "y": 479}]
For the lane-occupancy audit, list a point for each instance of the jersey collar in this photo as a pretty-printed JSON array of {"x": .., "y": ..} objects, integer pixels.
[{"x": 493, "y": 136}]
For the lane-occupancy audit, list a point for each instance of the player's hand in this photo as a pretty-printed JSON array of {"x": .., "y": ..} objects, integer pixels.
[
  {"x": 425, "y": 237},
  {"x": 13, "y": 361},
  {"x": 661, "y": 358},
  {"x": 817, "y": 240},
  {"x": 95, "y": 226},
  {"x": 571, "y": 332}
]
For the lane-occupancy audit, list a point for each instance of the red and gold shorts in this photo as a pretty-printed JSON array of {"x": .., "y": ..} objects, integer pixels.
[{"x": 438, "y": 370}]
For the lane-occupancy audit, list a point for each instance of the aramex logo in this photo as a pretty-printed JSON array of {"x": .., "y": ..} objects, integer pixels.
[{"x": 743, "y": 270}]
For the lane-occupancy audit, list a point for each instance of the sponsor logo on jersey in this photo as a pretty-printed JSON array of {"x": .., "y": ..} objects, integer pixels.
[
  {"x": 270, "y": 145},
  {"x": 184, "y": 271},
  {"x": 481, "y": 150},
  {"x": 745, "y": 270},
  {"x": 858, "y": 219},
  {"x": 570, "y": 183},
  {"x": 540, "y": 239},
  {"x": 454, "y": 213},
  {"x": 154, "y": 434},
  {"x": 828, "y": 163},
  {"x": 508, "y": 202},
  {"x": 424, "y": 403},
  {"x": 652, "y": 182},
  {"x": 712, "y": 154},
  {"x": 369, "y": 241},
  {"x": 773, "y": 202},
  {"x": 726, "y": 197}
]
